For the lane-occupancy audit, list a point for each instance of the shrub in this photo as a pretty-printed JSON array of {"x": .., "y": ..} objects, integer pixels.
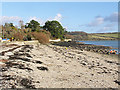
[
  {"x": 41, "y": 37},
  {"x": 27, "y": 37},
  {"x": 18, "y": 36}
]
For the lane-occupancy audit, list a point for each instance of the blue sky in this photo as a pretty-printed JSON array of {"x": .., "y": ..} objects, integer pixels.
[{"x": 90, "y": 17}]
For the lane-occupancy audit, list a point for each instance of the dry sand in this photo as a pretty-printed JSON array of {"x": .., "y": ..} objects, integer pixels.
[{"x": 50, "y": 66}]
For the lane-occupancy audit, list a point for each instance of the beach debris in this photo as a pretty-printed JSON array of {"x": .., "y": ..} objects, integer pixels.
[
  {"x": 27, "y": 83},
  {"x": 50, "y": 56},
  {"x": 10, "y": 64},
  {"x": 42, "y": 68},
  {"x": 66, "y": 48},
  {"x": 8, "y": 77},
  {"x": 18, "y": 53},
  {"x": 3, "y": 60},
  {"x": 39, "y": 62},
  {"x": 3, "y": 69},
  {"x": 113, "y": 51},
  {"x": 17, "y": 57},
  {"x": 10, "y": 50},
  {"x": 21, "y": 66},
  {"x": 113, "y": 62},
  {"x": 118, "y": 82},
  {"x": 79, "y": 52},
  {"x": 2, "y": 63},
  {"x": 28, "y": 55}
]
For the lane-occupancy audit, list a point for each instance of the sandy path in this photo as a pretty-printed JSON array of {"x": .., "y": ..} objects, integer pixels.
[{"x": 49, "y": 66}]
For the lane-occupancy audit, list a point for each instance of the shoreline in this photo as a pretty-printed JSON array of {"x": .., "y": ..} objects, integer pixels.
[
  {"x": 88, "y": 47},
  {"x": 99, "y": 40}
]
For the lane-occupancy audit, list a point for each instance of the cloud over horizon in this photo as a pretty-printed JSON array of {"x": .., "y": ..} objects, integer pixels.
[
  {"x": 16, "y": 19},
  {"x": 58, "y": 17},
  {"x": 37, "y": 19},
  {"x": 96, "y": 22},
  {"x": 112, "y": 18},
  {"x": 103, "y": 23},
  {"x": 11, "y": 19}
]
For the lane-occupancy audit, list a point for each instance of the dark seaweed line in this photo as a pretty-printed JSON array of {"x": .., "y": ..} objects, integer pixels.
[{"x": 10, "y": 50}]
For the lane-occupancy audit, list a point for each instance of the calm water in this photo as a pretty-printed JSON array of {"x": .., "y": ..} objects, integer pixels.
[{"x": 113, "y": 43}]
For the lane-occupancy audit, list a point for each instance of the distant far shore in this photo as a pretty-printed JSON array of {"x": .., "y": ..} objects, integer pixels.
[{"x": 79, "y": 35}]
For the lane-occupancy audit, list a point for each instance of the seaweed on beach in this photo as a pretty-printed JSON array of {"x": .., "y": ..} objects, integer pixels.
[
  {"x": 3, "y": 69},
  {"x": 10, "y": 64},
  {"x": 13, "y": 81},
  {"x": 39, "y": 62},
  {"x": 27, "y": 83},
  {"x": 8, "y": 77},
  {"x": 42, "y": 68},
  {"x": 88, "y": 47},
  {"x": 10, "y": 50},
  {"x": 27, "y": 46},
  {"x": 22, "y": 54},
  {"x": 118, "y": 82},
  {"x": 21, "y": 66},
  {"x": 17, "y": 57}
]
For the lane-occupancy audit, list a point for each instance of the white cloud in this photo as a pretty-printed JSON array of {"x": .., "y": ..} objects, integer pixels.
[
  {"x": 37, "y": 19},
  {"x": 106, "y": 28},
  {"x": 33, "y": 18},
  {"x": 112, "y": 18},
  {"x": 96, "y": 22},
  {"x": 6, "y": 19},
  {"x": 58, "y": 17}
]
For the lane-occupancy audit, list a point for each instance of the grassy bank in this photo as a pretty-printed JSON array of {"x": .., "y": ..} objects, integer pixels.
[
  {"x": 93, "y": 36},
  {"x": 104, "y": 36}
]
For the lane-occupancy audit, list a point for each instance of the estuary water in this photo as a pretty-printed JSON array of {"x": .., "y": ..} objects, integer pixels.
[{"x": 112, "y": 43}]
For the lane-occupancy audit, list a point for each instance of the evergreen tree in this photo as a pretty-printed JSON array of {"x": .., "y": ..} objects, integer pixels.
[
  {"x": 33, "y": 25},
  {"x": 55, "y": 28}
]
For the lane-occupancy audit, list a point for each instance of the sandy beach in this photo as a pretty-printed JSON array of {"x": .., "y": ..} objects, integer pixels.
[{"x": 51, "y": 66}]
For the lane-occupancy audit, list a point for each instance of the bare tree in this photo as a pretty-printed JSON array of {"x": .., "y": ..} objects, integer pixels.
[{"x": 21, "y": 24}]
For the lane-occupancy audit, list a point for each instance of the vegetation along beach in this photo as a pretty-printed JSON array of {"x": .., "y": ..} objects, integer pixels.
[{"x": 46, "y": 54}]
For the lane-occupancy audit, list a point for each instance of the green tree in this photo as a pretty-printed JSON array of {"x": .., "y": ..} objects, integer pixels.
[
  {"x": 55, "y": 28},
  {"x": 33, "y": 25},
  {"x": 8, "y": 30},
  {"x": 11, "y": 25}
]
